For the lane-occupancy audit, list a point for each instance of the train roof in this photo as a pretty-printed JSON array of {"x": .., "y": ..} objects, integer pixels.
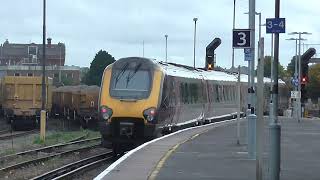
[
  {"x": 180, "y": 70},
  {"x": 189, "y": 72}
]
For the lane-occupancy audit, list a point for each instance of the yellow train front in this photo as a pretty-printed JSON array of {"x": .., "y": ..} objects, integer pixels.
[{"x": 129, "y": 98}]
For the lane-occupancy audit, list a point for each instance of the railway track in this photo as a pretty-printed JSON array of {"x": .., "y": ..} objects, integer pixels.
[
  {"x": 4, "y": 131},
  {"x": 65, "y": 172},
  {"x": 46, "y": 149},
  {"x": 45, "y": 158},
  {"x": 8, "y": 135}
]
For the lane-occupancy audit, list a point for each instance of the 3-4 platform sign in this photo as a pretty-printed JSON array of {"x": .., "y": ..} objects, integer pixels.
[
  {"x": 275, "y": 25},
  {"x": 241, "y": 38}
]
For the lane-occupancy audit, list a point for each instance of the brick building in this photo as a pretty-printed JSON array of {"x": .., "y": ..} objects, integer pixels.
[
  {"x": 26, "y": 60},
  {"x": 31, "y": 54},
  {"x": 58, "y": 73}
]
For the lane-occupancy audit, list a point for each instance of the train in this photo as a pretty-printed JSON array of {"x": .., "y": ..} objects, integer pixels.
[
  {"x": 21, "y": 100},
  {"x": 76, "y": 103},
  {"x": 141, "y": 99}
]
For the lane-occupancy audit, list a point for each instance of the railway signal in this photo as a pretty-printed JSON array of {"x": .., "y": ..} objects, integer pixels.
[
  {"x": 210, "y": 53},
  {"x": 305, "y": 58}
]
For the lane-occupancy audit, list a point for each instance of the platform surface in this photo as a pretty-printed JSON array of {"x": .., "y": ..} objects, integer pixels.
[
  {"x": 214, "y": 155},
  {"x": 211, "y": 152}
]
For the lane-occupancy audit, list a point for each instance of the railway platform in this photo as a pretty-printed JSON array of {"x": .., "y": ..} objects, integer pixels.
[{"x": 211, "y": 152}]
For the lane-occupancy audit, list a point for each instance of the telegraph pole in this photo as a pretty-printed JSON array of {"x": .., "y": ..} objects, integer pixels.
[{"x": 43, "y": 99}]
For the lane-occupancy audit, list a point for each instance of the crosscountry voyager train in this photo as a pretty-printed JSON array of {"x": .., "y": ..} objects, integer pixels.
[{"x": 141, "y": 99}]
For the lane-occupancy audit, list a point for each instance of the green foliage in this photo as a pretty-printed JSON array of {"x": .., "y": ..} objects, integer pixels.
[
  {"x": 267, "y": 68},
  {"x": 66, "y": 81},
  {"x": 291, "y": 66},
  {"x": 99, "y": 63},
  {"x": 313, "y": 86}
]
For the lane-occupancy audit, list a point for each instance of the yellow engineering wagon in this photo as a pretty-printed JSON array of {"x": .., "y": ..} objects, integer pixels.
[{"x": 21, "y": 99}]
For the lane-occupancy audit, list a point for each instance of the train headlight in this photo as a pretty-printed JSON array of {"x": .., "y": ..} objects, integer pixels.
[
  {"x": 106, "y": 112},
  {"x": 149, "y": 114}
]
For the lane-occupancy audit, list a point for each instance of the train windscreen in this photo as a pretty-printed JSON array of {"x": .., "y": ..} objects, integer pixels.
[{"x": 130, "y": 82}]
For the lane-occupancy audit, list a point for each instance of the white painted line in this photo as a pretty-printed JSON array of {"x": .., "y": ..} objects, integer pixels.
[{"x": 124, "y": 157}]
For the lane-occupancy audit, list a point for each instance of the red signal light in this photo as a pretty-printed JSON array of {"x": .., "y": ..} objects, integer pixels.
[{"x": 304, "y": 80}]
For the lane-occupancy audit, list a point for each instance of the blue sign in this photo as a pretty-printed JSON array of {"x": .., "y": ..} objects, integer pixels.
[
  {"x": 275, "y": 25},
  {"x": 295, "y": 82},
  {"x": 248, "y": 55},
  {"x": 241, "y": 38}
]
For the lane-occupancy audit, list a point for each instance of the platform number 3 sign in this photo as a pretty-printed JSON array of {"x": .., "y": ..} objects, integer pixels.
[{"x": 241, "y": 38}]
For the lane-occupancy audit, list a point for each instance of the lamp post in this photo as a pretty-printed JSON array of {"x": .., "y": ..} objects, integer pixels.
[
  {"x": 299, "y": 69},
  {"x": 43, "y": 97},
  {"x": 295, "y": 71},
  {"x": 233, "y": 27},
  {"x": 258, "y": 14},
  {"x": 194, "y": 42},
  {"x": 143, "y": 48},
  {"x": 166, "y": 36}
]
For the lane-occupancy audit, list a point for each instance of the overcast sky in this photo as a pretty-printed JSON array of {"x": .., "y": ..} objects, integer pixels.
[{"x": 120, "y": 27}]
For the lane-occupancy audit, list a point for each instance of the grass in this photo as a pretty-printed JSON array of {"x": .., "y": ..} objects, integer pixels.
[
  {"x": 62, "y": 137},
  {"x": 7, "y": 152}
]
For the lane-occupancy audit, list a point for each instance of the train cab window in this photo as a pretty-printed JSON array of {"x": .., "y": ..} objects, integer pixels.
[{"x": 131, "y": 81}]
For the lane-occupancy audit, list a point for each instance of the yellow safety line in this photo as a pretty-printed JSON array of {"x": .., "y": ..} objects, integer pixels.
[{"x": 160, "y": 164}]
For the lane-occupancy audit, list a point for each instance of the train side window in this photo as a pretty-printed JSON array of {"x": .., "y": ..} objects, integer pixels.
[
  {"x": 217, "y": 93},
  {"x": 181, "y": 93},
  {"x": 16, "y": 74},
  {"x": 186, "y": 97},
  {"x": 222, "y": 94}
]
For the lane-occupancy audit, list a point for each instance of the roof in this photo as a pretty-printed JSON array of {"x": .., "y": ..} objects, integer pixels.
[{"x": 189, "y": 72}]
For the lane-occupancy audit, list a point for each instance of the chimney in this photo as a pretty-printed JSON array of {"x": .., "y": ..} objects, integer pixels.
[{"x": 49, "y": 41}]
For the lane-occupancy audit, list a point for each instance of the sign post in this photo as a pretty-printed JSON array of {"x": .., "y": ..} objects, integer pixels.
[
  {"x": 275, "y": 25},
  {"x": 241, "y": 39}
]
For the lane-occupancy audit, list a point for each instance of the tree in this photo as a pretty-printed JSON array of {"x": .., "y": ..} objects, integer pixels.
[
  {"x": 267, "y": 68},
  {"x": 101, "y": 60},
  {"x": 313, "y": 86},
  {"x": 291, "y": 67},
  {"x": 66, "y": 81}
]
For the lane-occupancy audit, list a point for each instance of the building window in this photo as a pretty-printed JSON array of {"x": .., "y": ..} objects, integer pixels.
[
  {"x": 72, "y": 75},
  {"x": 30, "y": 74},
  {"x": 32, "y": 50},
  {"x": 55, "y": 75},
  {"x": 16, "y": 74}
]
